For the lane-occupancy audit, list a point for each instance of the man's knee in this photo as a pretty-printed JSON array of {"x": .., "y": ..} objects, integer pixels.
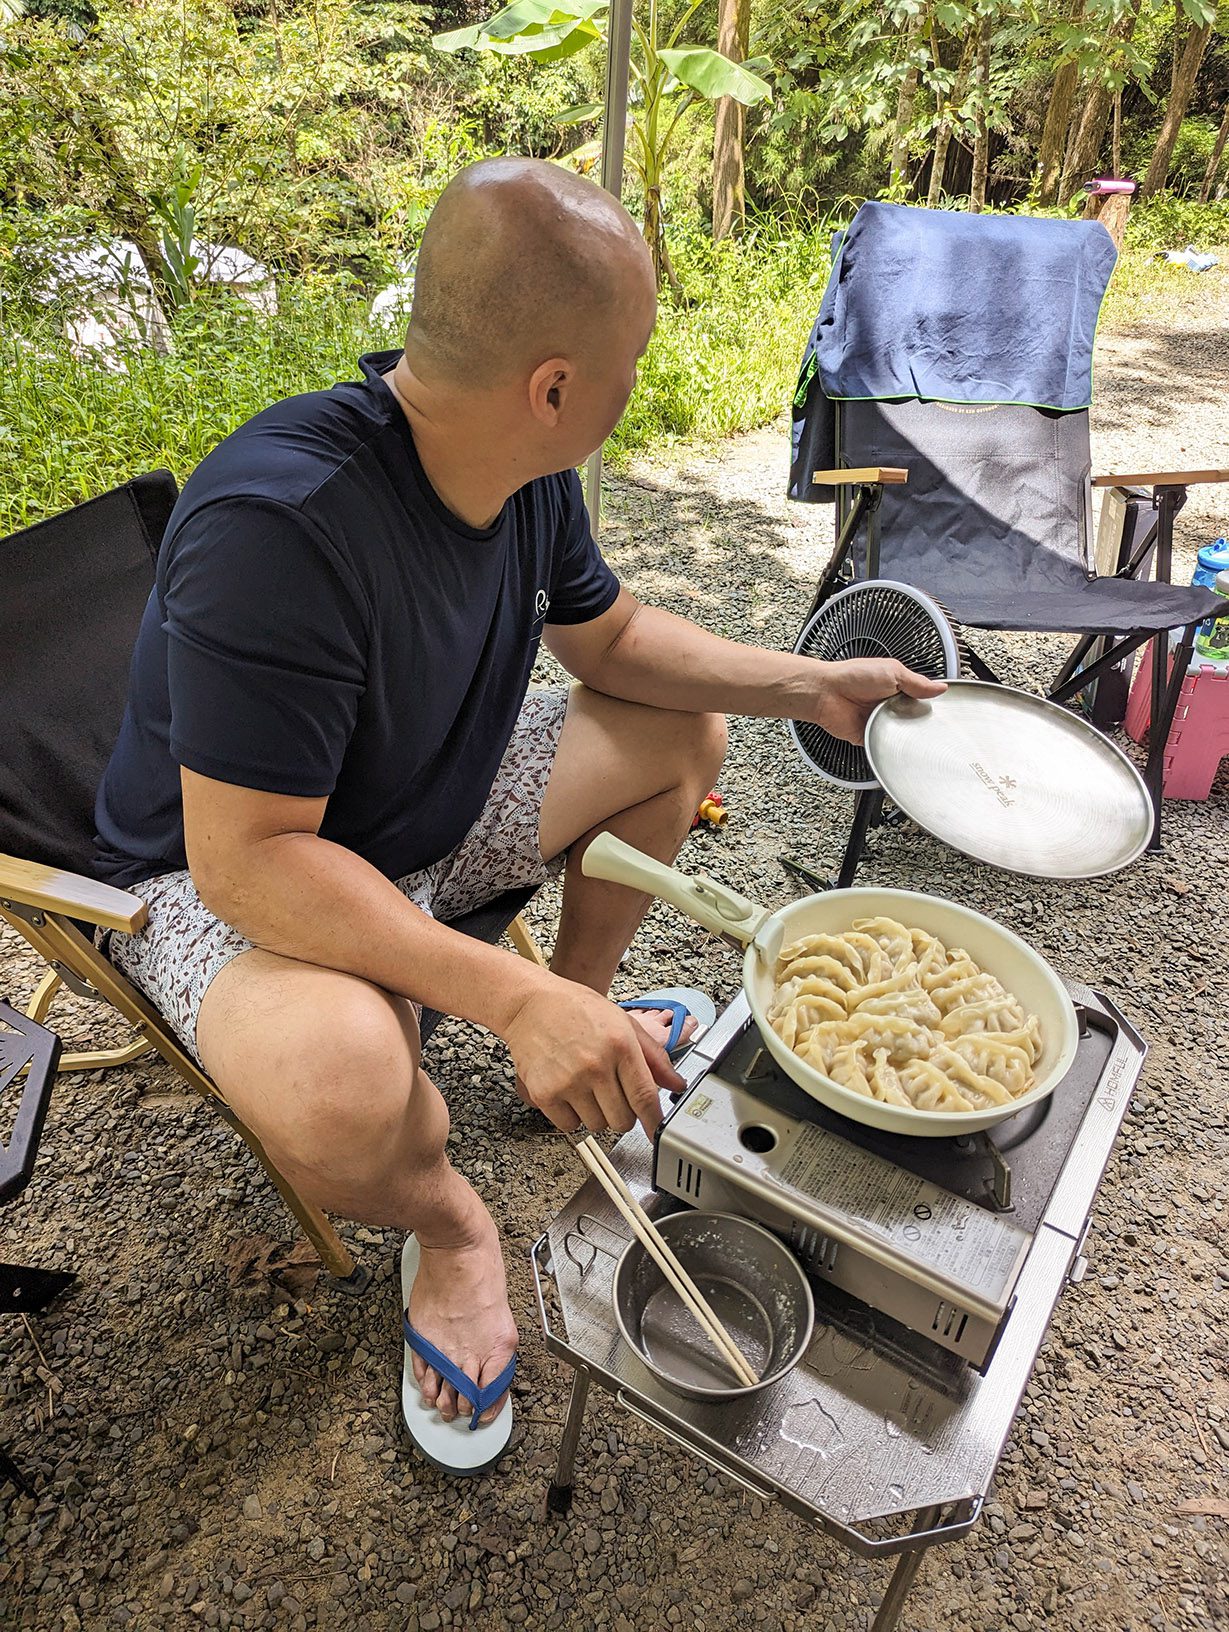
[
  {"x": 329, "y": 1085},
  {"x": 711, "y": 740}
]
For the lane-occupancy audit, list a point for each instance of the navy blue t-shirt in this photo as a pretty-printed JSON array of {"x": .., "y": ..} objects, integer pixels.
[{"x": 323, "y": 625}]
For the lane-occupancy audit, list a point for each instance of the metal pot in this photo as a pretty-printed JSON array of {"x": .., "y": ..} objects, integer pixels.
[
  {"x": 1022, "y": 972},
  {"x": 756, "y": 1288}
]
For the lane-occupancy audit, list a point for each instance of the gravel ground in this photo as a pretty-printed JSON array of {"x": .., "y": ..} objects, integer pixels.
[{"x": 221, "y": 1449}]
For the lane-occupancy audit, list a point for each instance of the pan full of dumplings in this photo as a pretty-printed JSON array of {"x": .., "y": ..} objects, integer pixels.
[{"x": 900, "y": 1010}]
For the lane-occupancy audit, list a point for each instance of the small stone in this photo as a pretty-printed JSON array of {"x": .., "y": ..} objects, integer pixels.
[
  {"x": 252, "y": 1508},
  {"x": 406, "y": 1593},
  {"x": 315, "y": 1548},
  {"x": 742, "y": 1590}
]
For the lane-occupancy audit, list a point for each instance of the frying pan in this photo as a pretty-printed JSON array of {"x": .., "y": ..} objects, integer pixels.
[{"x": 1020, "y": 970}]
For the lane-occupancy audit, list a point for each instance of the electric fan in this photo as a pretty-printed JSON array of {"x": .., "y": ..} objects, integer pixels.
[{"x": 879, "y": 618}]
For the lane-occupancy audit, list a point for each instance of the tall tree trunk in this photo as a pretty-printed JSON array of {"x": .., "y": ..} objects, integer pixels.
[
  {"x": 981, "y": 146},
  {"x": 1179, "y": 101},
  {"x": 1218, "y": 152},
  {"x": 729, "y": 176},
  {"x": 1057, "y": 122},
  {"x": 128, "y": 208},
  {"x": 898, "y": 173},
  {"x": 1086, "y": 148},
  {"x": 943, "y": 131}
]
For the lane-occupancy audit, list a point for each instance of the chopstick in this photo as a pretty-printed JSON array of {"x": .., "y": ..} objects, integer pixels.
[{"x": 693, "y": 1300}]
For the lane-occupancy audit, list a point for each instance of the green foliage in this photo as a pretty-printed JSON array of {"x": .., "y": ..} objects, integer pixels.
[
  {"x": 1170, "y": 222},
  {"x": 668, "y": 82},
  {"x": 72, "y": 426},
  {"x": 1192, "y": 150},
  {"x": 728, "y": 361}
]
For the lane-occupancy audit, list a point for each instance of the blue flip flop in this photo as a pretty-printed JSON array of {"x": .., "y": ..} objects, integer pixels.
[
  {"x": 681, "y": 1001},
  {"x": 465, "y": 1446}
]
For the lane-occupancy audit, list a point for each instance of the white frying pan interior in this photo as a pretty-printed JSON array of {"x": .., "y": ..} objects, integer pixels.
[{"x": 1020, "y": 970}]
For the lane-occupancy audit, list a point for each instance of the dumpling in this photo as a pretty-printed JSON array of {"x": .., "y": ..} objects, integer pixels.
[
  {"x": 884, "y": 1081},
  {"x": 892, "y": 937},
  {"x": 893, "y": 1014},
  {"x": 989, "y": 1054},
  {"x": 900, "y": 1038},
  {"x": 994, "y": 1012},
  {"x": 931, "y": 1089},
  {"x": 812, "y": 988},
  {"x": 835, "y": 947},
  {"x": 819, "y": 963},
  {"x": 794, "y": 1020},
  {"x": 901, "y": 995},
  {"x": 959, "y": 966},
  {"x": 848, "y": 1070},
  {"x": 982, "y": 1091},
  {"x": 1027, "y": 1037}
]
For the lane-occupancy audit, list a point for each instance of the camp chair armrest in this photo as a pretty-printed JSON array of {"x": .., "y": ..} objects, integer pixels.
[
  {"x": 885, "y": 475},
  {"x": 30, "y": 884},
  {"x": 1163, "y": 478}
]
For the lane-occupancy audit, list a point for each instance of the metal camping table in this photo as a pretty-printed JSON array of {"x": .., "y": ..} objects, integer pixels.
[{"x": 879, "y": 1437}]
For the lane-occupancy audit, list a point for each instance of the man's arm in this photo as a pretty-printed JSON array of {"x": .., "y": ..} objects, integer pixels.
[
  {"x": 259, "y": 863},
  {"x": 645, "y": 655}
]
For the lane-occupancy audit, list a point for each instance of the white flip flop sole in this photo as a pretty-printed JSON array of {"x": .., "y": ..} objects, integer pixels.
[{"x": 453, "y": 1447}]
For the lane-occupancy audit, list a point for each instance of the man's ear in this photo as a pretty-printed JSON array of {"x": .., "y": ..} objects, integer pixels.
[{"x": 548, "y": 388}]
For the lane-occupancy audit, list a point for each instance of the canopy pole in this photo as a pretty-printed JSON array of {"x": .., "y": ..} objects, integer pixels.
[{"x": 614, "y": 134}]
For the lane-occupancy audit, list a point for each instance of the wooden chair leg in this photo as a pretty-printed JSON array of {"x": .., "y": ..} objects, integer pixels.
[
  {"x": 522, "y": 939},
  {"x": 57, "y": 940},
  {"x": 93, "y": 1059},
  {"x": 333, "y": 1252}
]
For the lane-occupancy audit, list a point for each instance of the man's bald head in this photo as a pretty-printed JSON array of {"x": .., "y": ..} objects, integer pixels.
[{"x": 521, "y": 261}]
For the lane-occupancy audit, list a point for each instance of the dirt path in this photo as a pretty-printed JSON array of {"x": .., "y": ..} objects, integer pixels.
[{"x": 218, "y": 1456}]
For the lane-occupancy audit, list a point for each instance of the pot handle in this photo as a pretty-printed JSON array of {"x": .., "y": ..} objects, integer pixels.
[{"x": 714, "y": 905}]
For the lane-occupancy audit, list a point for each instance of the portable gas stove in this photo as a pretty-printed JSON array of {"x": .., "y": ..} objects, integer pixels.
[{"x": 936, "y": 1265}]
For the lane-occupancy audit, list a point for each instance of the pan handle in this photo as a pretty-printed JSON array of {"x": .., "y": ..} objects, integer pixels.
[{"x": 714, "y": 905}]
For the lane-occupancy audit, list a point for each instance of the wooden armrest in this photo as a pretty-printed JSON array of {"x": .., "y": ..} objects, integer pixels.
[
  {"x": 32, "y": 885},
  {"x": 888, "y": 475},
  {"x": 1162, "y": 478}
]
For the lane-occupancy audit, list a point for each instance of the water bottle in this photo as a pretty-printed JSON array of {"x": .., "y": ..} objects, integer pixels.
[
  {"x": 1212, "y": 639},
  {"x": 1213, "y": 558}
]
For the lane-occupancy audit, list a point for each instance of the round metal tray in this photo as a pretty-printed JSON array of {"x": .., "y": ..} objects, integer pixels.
[{"x": 1012, "y": 780}]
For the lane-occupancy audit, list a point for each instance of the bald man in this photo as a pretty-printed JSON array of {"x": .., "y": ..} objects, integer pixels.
[{"x": 329, "y": 746}]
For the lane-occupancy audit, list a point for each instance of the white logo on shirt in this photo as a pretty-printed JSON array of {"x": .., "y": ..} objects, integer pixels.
[{"x": 541, "y": 605}]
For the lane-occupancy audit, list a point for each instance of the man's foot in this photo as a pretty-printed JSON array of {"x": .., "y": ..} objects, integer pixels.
[
  {"x": 656, "y": 1023},
  {"x": 460, "y": 1304}
]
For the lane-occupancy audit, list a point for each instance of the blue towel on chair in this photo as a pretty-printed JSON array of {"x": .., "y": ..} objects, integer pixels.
[{"x": 950, "y": 307}]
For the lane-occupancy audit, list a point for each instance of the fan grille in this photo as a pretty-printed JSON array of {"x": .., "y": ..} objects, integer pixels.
[{"x": 875, "y": 619}]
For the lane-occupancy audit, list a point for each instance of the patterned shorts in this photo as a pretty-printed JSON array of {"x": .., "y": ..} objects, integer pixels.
[{"x": 183, "y": 946}]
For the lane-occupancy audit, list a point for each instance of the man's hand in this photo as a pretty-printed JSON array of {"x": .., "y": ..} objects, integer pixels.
[
  {"x": 584, "y": 1064},
  {"x": 846, "y": 694}
]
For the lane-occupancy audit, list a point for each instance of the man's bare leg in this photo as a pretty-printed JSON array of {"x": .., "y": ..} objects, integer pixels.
[
  {"x": 636, "y": 772},
  {"x": 324, "y": 1068}
]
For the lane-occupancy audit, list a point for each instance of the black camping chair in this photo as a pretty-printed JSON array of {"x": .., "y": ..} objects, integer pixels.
[
  {"x": 29, "y": 1054},
  {"x": 72, "y": 592},
  {"x": 987, "y": 505}
]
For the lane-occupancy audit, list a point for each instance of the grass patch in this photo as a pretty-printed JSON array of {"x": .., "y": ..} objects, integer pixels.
[{"x": 723, "y": 359}]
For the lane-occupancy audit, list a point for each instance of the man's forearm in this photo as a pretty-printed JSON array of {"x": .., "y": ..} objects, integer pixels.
[
  {"x": 303, "y": 897},
  {"x": 668, "y": 662}
]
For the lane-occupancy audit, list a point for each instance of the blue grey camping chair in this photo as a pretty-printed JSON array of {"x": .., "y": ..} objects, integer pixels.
[{"x": 943, "y": 407}]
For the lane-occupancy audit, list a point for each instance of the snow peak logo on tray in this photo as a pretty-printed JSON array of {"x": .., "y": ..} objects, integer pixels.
[{"x": 1000, "y": 786}]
